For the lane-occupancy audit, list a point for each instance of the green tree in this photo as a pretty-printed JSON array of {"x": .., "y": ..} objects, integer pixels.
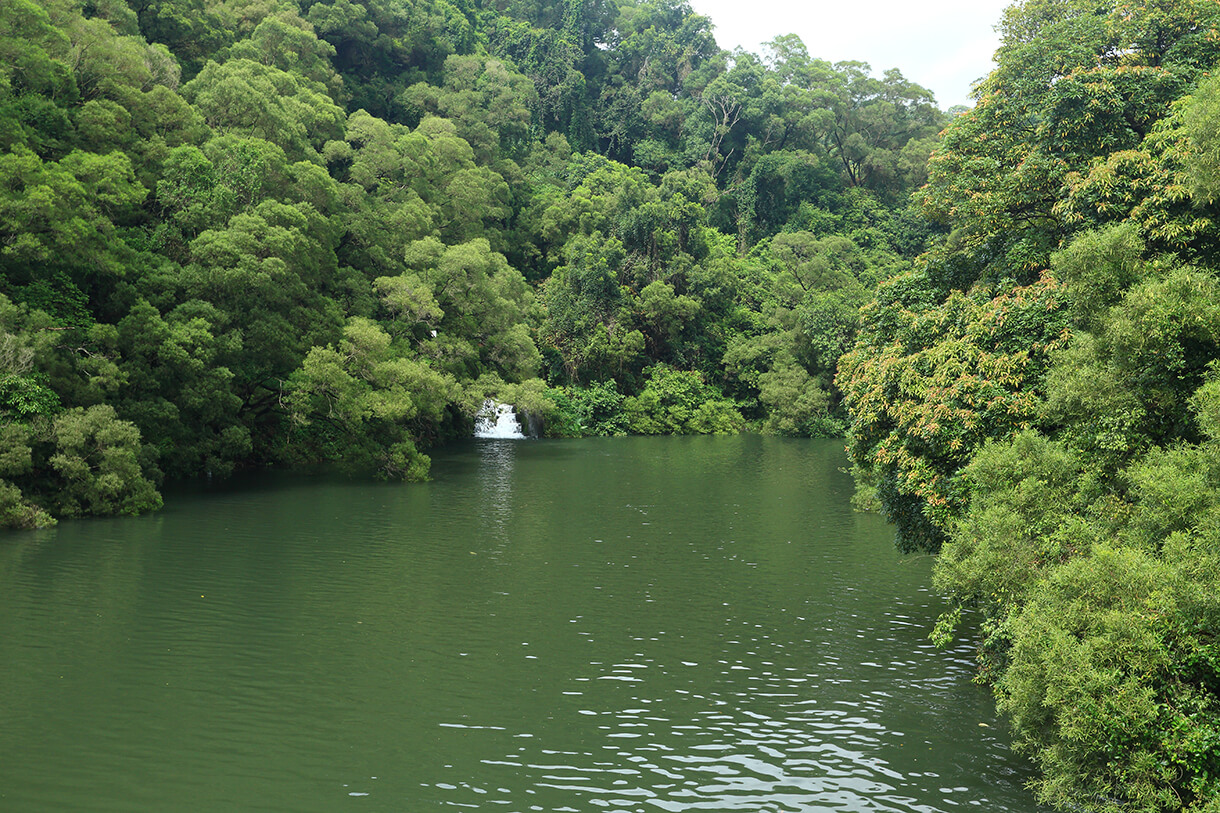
[
  {"x": 250, "y": 98},
  {"x": 927, "y": 385},
  {"x": 36, "y": 85},
  {"x": 489, "y": 103},
  {"x": 288, "y": 42},
  {"x": 357, "y": 401},
  {"x": 97, "y": 465},
  {"x": 676, "y": 402}
]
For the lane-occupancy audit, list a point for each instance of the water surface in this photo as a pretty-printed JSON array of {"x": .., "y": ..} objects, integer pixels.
[{"x": 640, "y": 624}]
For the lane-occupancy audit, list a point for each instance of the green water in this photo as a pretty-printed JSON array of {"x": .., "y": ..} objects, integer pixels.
[{"x": 643, "y": 624}]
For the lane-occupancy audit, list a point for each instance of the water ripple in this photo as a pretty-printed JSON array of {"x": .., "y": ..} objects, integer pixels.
[{"x": 630, "y": 625}]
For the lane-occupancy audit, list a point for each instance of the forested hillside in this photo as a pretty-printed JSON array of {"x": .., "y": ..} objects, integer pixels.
[
  {"x": 1038, "y": 398},
  {"x": 244, "y": 233},
  {"x": 239, "y": 234}
]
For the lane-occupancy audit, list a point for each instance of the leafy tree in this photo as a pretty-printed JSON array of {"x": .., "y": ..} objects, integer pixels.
[
  {"x": 36, "y": 85},
  {"x": 592, "y": 410},
  {"x": 177, "y": 390},
  {"x": 382, "y": 48},
  {"x": 927, "y": 385},
  {"x": 250, "y": 98},
  {"x": 288, "y": 42},
  {"x": 355, "y": 401},
  {"x": 61, "y": 211},
  {"x": 191, "y": 29},
  {"x": 679, "y": 402},
  {"x": 1098, "y": 612},
  {"x": 97, "y": 463},
  {"x": 201, "y": 189},
  {"x": 1071, "y": 86},
  {"x": 485, "y": 302},
  {"x": 489, "y": 103}
]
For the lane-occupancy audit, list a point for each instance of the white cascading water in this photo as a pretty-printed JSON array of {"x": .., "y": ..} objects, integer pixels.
[{"x": 496, "y": 420}]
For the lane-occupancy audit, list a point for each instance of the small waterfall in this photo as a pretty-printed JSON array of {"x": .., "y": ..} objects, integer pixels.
[{"x": 496, "y": 420}]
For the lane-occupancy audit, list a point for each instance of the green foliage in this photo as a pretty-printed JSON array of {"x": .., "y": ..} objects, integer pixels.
[
  {"x": 796, "y": 404},
  {"x": 1023, "y": 520},
  {"x": 178, "y": 390},
  {"x": 287, "y": 42},
  {"x": 677, "y": 402},
  {"x": 1055, "y": 439},
  {"x": 1201, "y": 123},
  {"x": 584, "y": 411},
  {"x": 353, "y": 402},
  {"x": 34, "y": 76},
  {"x": 488, "y": 102},
  {"x": 1082, "y": 688},
  {"x": 1100, "y": 614},
  {"x": 929, "y": 385},
  {"x": 24, "y": 396},
  {"x": 24, "y": 391},
  {"x": 485, "y": 302},
  {"x": 1099, "y": 267},
  {"x": 1128, "y": 385},
  {"x": 61, "y": 213},
  {"x": 250, "y": 98},
  {"x": 18, "y": 514},
  {"x": 16, "y": 461},
  {"x": 263, "y": 234},
  {"x": 1074, "y": 90},
  {"x": 97, "y": 465}
]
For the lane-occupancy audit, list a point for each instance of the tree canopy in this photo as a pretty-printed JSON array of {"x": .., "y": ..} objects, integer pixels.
[
  {"x": 242, "y": 234},
  {"x": 1033, "y": 398}
]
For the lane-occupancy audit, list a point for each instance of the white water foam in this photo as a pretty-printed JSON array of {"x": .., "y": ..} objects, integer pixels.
[{"x": 496, "y": 420}]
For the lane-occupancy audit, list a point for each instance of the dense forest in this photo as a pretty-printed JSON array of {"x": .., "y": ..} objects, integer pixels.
[
  {"x": 239, "y": 234},
  {"x": 246, "y": 233},
  {"x": 1037, "y": 400}
]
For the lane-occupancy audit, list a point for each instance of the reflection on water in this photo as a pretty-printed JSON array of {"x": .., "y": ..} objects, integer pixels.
[
  {"x": 671, "y": 624},
  {"x": 495, "y": 475},
  {"x": 764, "y": 735}
]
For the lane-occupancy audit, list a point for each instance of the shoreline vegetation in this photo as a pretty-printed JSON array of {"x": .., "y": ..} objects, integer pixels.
[{"x": 237, "y": 234}]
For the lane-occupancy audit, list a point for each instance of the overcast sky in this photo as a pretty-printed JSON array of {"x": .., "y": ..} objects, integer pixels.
[{"x": 944, "y": 45}]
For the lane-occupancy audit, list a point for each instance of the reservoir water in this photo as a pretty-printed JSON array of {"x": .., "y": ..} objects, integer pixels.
[{"x": 635, "y": 624}]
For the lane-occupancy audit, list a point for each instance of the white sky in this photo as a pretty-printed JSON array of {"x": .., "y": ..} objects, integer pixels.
[{"x": 944, "y": 45}]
